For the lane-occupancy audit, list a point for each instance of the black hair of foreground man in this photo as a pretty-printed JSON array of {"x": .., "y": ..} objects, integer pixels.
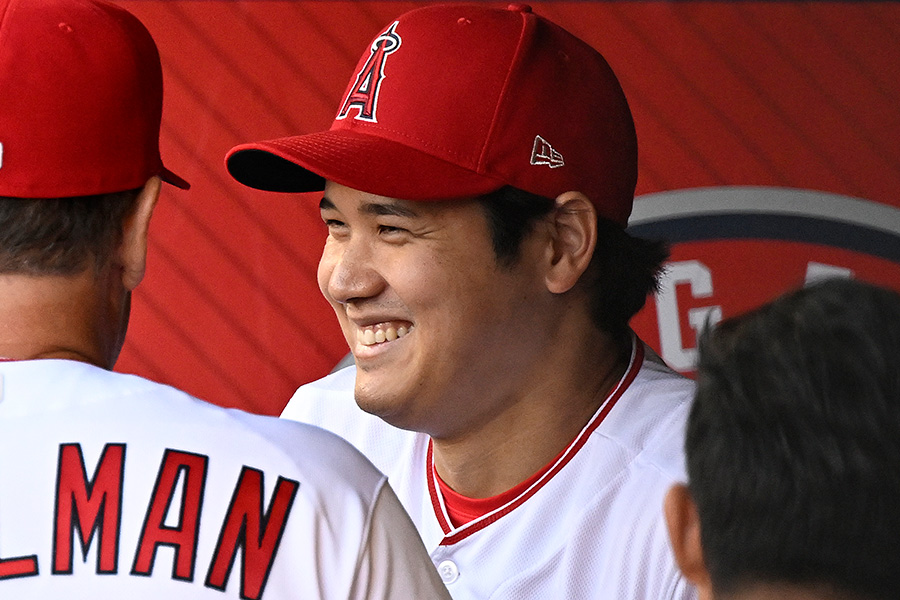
[{"x": 793, "y": 449}]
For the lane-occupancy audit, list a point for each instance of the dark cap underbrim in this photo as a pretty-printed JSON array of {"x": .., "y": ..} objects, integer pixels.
[{"x": 363, "y": 162}]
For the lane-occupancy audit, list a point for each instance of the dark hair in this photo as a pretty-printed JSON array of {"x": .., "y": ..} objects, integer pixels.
[
  {"x": 623, "y": 270},
  {"x": 793, "y": 443},
  {"x": 61, "y": 236}
]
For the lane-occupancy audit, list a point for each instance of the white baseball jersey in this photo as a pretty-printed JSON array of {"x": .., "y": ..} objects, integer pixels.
[
  {"x": 592, "y": 527},
  {"x": 115, "y": 487}
]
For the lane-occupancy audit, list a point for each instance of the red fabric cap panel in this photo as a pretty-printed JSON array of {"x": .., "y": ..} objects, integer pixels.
[{"x": 83, "y": 99}]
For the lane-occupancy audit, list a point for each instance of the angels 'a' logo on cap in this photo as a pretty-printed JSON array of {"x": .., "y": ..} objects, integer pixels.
[
  {"x": 363, "y": 94},
  {"x": 543, "y": 154}
]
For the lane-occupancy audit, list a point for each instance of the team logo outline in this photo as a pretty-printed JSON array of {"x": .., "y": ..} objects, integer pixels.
[
  {"x": 760, "y": 213},
  {"x": 363, "y": 94}
]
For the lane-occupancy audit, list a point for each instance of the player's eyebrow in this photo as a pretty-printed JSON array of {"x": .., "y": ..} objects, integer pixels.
[
  {"x": 374, "y": 208},
  {"x": 379, "y": 209}
]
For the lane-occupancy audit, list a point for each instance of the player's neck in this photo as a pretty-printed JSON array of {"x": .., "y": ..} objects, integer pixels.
[
  {"x": 52, "y": 317},
  {"x": 557, "y": 400}
]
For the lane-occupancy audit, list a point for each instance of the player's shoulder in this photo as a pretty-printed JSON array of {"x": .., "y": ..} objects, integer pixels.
[
  {"x": 315, "y": 454},
  {"x": 657, "y": 392},
  {"x": 325, "y": 459},
  {"x": 660, "y": 380},
  {"x": 313, "y": 449},
  {"x": 85, "y": 390},
  {"x": 650, "y": 417},
  {"x": 73, "y": 382}
]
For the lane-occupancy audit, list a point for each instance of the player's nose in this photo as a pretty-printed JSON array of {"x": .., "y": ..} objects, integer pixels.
[{"x": 347, "y": 273}]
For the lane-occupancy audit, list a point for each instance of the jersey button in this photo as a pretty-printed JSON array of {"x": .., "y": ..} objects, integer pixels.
[{"x": 449, "y": 571}]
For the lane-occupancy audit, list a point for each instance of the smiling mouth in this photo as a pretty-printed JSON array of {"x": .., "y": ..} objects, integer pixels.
[{"x": 378, "y": 334}]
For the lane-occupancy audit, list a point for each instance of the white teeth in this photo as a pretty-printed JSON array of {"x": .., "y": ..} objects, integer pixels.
[{"x": 370, "y": 337}]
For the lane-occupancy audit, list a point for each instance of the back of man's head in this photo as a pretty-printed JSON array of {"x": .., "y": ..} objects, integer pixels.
[
  {"x": 79, "y": 130},
  {"x": 793, "y": 444},
  {"x": 80, "y": 121},
  {"x": 61, "y": 236},
  {"x": 79, "y": 173}
]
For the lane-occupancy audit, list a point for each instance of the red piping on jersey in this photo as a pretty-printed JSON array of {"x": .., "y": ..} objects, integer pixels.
[
  {"x": 461, "y": 509},
  {"x": 437, "y": 501}
]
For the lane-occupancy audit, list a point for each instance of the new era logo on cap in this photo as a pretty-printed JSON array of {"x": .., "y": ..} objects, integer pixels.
[{"x": 544, "y": 154}]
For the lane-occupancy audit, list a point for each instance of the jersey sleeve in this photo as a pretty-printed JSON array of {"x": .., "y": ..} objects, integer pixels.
[{"x": 393, "y": 562}]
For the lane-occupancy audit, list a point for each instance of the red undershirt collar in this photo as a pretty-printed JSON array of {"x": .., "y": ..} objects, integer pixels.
[{"x": 462, "y": 509}]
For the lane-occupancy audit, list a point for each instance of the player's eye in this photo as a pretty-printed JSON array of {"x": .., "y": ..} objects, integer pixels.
[
  {"x": 393, "y": 234},
  {"x": 336, "y": 227}
]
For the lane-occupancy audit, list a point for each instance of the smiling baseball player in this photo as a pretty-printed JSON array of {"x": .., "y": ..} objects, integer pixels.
[
  {"x": 112, "y": 486},
  {"x": 477, "y": 180}
]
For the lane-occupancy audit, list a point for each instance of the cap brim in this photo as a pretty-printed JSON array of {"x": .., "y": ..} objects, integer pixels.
[
  {"x": 173, "y": 179},
  {"x": 363, "y": 162}
]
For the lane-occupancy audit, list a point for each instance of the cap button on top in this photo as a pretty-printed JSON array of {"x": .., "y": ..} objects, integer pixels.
[{"x": 523, "y": 8}]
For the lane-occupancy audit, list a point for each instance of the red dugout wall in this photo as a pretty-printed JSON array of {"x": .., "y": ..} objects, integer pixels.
[{"x": 769, "y": 154}]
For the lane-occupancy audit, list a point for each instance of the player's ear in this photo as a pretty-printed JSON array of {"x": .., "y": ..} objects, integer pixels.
[
  {"x": 683, "y": 523},
  {"x": 574, "y": 237},
  {"x": 132, "y": 251}
]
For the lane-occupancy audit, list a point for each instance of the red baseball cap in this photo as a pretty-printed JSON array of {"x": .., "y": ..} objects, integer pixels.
[
  {"x": 82, "y": 100},
  {"x": 455, "y": 101}
]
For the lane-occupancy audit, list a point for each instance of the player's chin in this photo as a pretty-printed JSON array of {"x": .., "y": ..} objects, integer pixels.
[{"x": 391, "y": 403}]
